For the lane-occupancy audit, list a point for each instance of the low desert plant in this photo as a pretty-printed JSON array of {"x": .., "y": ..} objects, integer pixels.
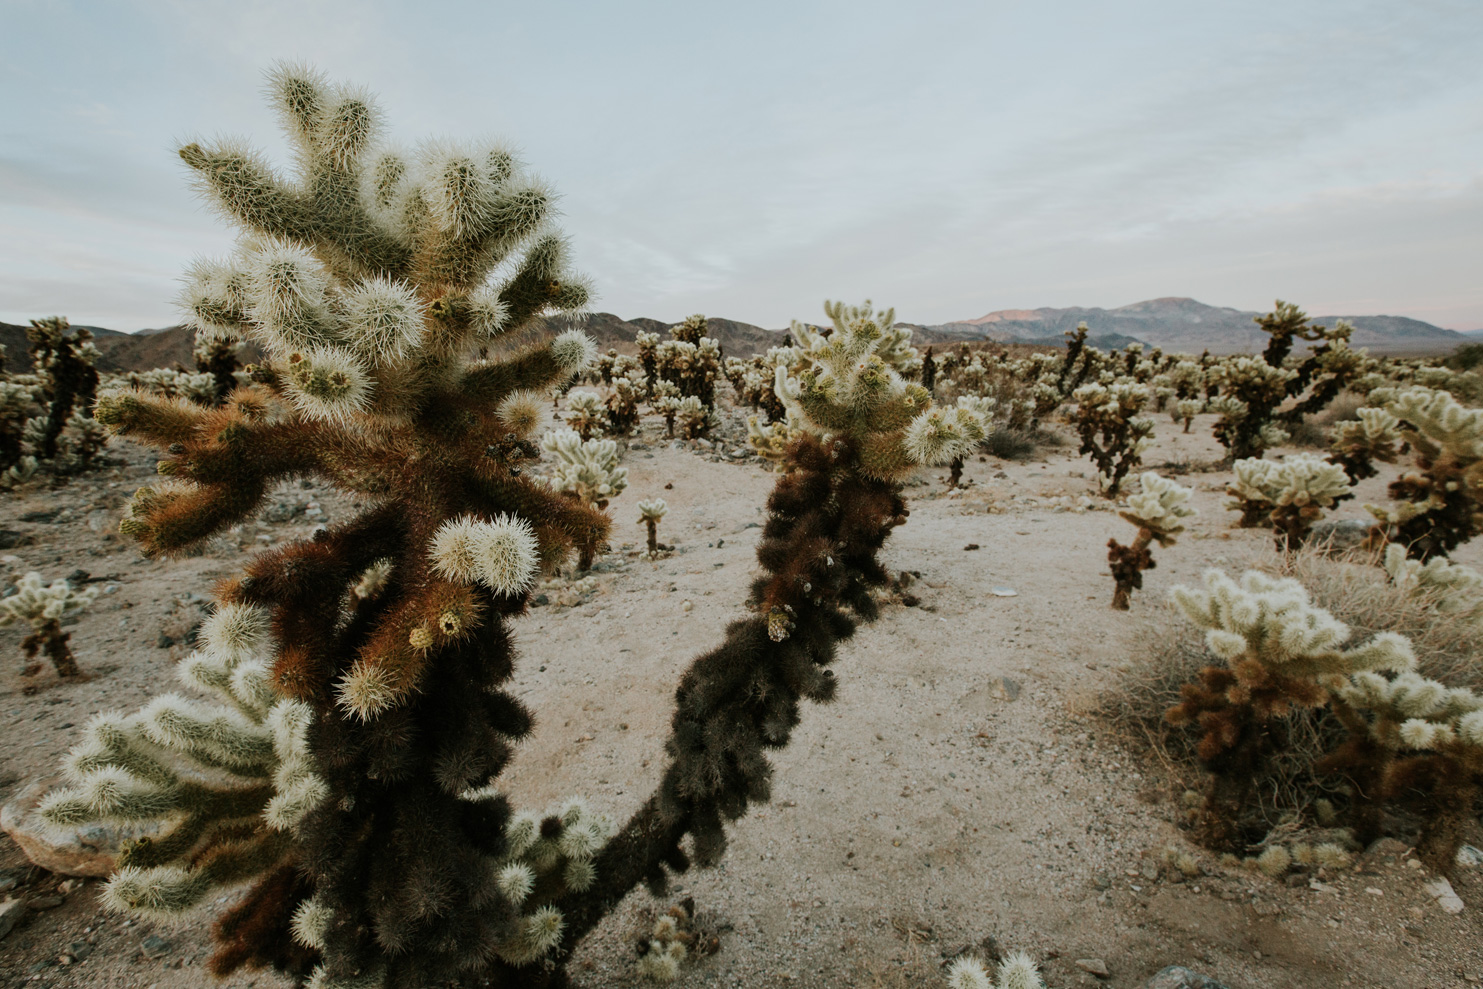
[
  {"x": 1291, "y": 495},
  {"x": 1436, "y": 508},
  {"x": 1017, "y": 971},
  {"x": 650, "y": 512},
  {"x": 586, "y": 471},
  {"x": 1357, "y": 443},
  {"x": 1185, "y": 410},
  {"x": 585, "y": 414},
  {"x": 1112, "y": 432},
  {"x": 43, "y": 606},
  {"x": 1158, "y": 511},
  {"x": 1278, "y": 654}
]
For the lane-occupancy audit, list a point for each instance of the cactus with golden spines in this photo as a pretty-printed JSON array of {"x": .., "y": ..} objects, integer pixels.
[{"x": 370, "y": 279}]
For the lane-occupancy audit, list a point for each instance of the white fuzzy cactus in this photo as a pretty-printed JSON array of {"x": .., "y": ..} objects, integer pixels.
[
  {"x": 547, "y": 855},
  {"x": 44, "y": 606},
  {"x": 196, "y": 775},
  {"x": 1160, "y": 505},
  {"x": 585, "y": 469},
  {"x": 501, "y": 553},
  {"x": 1272, "y": 623},
  {"x": 585, "y": 413},
  {"x": 1158, "y": 510},
  {"x": 1453, "y": 589},
  {"x": 1017, "y": 971},
  {"x": 1291, "y": 494}
]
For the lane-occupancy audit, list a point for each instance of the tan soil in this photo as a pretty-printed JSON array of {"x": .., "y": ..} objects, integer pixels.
[{"x": 920, "y": 812}]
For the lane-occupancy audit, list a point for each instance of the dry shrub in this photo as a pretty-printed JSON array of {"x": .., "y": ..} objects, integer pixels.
[{"x": 1352, "y": 588}]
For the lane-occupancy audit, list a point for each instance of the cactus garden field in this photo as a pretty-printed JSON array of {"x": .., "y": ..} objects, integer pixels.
[{"x": 411, "y": 641}]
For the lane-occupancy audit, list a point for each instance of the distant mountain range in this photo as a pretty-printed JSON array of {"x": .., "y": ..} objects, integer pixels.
[
  {"x": 1185, "y": 326},
  {"x": 1175, "y": 324}
]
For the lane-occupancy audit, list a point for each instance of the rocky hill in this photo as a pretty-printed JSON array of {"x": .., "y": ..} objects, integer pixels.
[
  {"x": 1177, "y": 325},
  {"x": 1185, "y": 325}
]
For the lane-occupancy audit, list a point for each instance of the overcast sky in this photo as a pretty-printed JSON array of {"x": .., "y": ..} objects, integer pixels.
[{"x": 750, "y": 159}]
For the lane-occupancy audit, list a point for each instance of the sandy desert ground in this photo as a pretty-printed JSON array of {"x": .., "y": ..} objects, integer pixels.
[{"x": 962, "y": 786}]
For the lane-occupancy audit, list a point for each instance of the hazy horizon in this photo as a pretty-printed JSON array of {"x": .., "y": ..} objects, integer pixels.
[{"x": 947, "y": 159}]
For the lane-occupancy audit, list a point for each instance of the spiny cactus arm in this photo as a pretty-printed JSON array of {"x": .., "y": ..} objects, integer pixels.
[
  {"x": 257, "y": 932},
  {"x": 245, "y": 188},
  {"x": 462, "y": 251},
  {"x": 154, "y": 419},
  {"x": 542, "y": 283},
  {"x": 559, "y": 523},
  {"x": 165, "y": 892},
  {"x": 567, "y": 355},
  {"x": 388, "y": 667},
  {"x": 171, "y": 518}
]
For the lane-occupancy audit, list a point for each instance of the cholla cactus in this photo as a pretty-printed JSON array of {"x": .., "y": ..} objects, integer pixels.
[
  {"x": 670, "y": 944},
  {"x": 17, "y": 399},
  {"x": 1250, "y": 391},
  {"x": 1279, "y": 653},
  {"x": 198, "y": 781},
  {"x": 650, "y": 512},
  {"x": 366, "y": 281},
  {"x": 1158, "y": 510},
  {"x": 585, "y": 413},
  {"x": 1453, "y": 589},
  {"x": 1359, "y": 442},
  {"x": 1437, "y": 503},
  {"x": 1409, "y": 737},
  {"x": 695, "y": 419},
  {"x": 1018, "y": 971},
  {"x": 1291, "y": 494},
  {"x": 1185, "y": 411},
  {"x": 623, "y": 402},
  {"x": 691, "y": 361},
  {"x": 586, "y": 471},
  {"x": 64, "y": 359},
  {"x": 1112, "y": 433},
  {"x": 44, "y": 606}
]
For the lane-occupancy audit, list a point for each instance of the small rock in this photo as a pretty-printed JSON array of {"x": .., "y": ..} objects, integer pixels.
[
  {"x": 87, "y": 850},
  {"x": 971, "y": 546},
  {"x": 1004, "y": 688},
  {"x": 1441, "y": 891},
  {"x": 1179, "y": 977},
  {"x": 1339, "y": 535},
  {"x": 79, "y": 950},
  {"x": 1101, "y": 881},
  {"x": 12, "y": 912},
  {"x": 1004, "y": 592},
  {"x": 45, "y": 902},
  {"x": 155, "y": 947},
  {"x": 1386, "y": 846},
  {"x": 1095, "y": 966},
  {"x": 1469, "y": 857}
]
